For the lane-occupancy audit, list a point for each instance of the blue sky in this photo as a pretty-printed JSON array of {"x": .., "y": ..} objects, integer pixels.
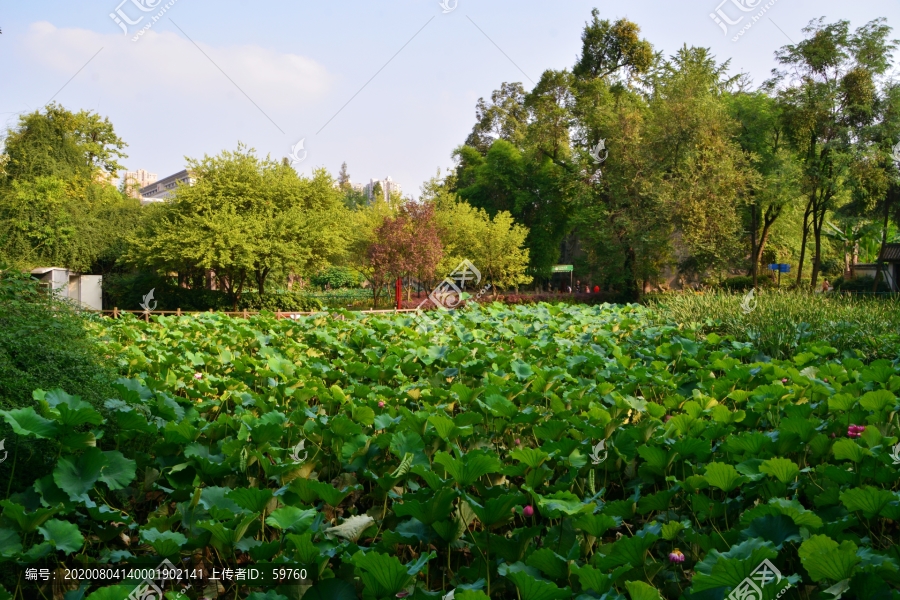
[{"x": 208, "y": 74}]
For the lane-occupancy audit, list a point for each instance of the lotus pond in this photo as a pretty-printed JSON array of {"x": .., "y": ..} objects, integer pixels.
[{"x": 531, "y": 453}]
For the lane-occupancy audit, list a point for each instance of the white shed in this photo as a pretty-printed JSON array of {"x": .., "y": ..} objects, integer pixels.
[{"x": 83, "y": 289}]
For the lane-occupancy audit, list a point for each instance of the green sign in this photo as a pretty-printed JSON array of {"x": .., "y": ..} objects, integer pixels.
[{"x": 563, "y": 268}]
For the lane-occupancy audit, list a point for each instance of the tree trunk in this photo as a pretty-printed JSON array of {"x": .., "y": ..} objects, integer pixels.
[
  {"x": 817, "y": 257},
  {"x": 754, "y": 249},
  {"x": 884, "y": 231},
  {"x": 803, "y": 242},
  {"x": 768, "y": 220}
]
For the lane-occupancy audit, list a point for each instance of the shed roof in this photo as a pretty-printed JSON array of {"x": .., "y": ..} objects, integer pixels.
[
  {"x": 43, "y": 270},
  {"x": 891, "y": 253}
]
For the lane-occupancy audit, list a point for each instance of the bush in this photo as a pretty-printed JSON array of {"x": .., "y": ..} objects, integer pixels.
[
  {"x": 43, "y": 344},
  {"x": 860, "y": 284},
  {"x": 337, "y": 278},
  {"x": 743, "y": 283},
  {"x": 280, "y": 301},
  {"x": 126, "y": 292}
]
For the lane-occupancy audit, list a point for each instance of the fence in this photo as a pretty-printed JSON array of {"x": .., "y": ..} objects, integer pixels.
[{"x": 115, "y": 313}]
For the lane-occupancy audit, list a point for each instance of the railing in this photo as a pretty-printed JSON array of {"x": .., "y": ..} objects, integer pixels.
[{"x": 115, "y": 313}]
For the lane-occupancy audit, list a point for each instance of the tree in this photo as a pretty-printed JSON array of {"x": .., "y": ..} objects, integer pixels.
[
  {"x": 496, "y": 246},
  {"x": 777, "y": 180},
  {"x": 826, "y": 115},
  {"x": 343, "y": 178},
  {"x": 405, "y": 244},
  {"x": 58, "y": 143},
  {"x": 245, "y": 218},
  {"x": 612, "y": 49},
  {"x": 377, "y": 191},
  {"x": 56, "y": 205}
]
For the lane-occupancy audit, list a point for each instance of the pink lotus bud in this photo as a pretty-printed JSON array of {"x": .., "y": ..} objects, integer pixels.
[
  {"x": 676, "y": 556},
  {"x": 198, "y": 376},
  {"x": 784, "y": 381},
  {"x": 825, "y": 380},
  {"x": 381, "y": 404},
  {"x": 528, "y": 511},
  {"x": 518, "y": 442}
]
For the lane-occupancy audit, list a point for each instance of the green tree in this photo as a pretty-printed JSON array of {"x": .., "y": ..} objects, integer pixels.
[
  {"x": 244, "y": 218},
  {"x": 57, "y": 206},
  {"x": 75, "y": 147},
  {"x": 778, "y": 175},
  {"x": 496, "y": 246},
  {"x": 827, "y": 114}
]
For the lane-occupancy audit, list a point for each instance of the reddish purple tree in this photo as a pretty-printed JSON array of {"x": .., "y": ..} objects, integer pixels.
[{"x": 407, "y": 245}]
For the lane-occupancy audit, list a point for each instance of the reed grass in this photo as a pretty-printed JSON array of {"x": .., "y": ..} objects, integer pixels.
[{"x": 782, "y": 322}]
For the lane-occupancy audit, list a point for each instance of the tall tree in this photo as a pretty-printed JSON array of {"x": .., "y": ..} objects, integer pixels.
[
  {"x": 245, "y": 218},
  {"x": 57, "y": 206},
  {"x": 777, "y": 181},
  {"x": 826, "y": 115}
]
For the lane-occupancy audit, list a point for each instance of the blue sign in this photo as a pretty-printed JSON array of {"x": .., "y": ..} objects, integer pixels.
[{"x": 780, "y": 267}]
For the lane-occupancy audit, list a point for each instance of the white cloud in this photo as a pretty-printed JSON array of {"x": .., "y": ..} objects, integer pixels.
[{"x": 166, "y": 64}]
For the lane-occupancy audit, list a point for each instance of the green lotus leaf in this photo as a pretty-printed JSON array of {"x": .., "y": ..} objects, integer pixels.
[
  {"x": 25, "y": 422},
  {"x": 77, "y": 476},
  {"x": 531, "y": 588},
  {"x": 638, "y": 590},
  {"x": 291, "y": 518},
  {"x": 824, "y": 558},
  {"x": 64, "y": 536},
  {"x": 166, "y": 543},
  {"x": 723, "y": 476},
  {"x": 253, "y": 499},
  {"x": 470, "y": 467},
  {"x": 871, "y": 501},
  {"x": 783, "y": 469}
]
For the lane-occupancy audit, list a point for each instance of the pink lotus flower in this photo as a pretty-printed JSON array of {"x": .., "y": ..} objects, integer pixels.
[
  {"x": 676, "y": 556},
  {"x": 402, "y": 594},
  {"x": 528, "y": 511},
  {"x": 855, "y": 431},
  {"x": 784, "y": 381},
  {"x": 198, "y": 376},
  {"x": 381, "y": 404},
  {"x": 518, "y": 442}
]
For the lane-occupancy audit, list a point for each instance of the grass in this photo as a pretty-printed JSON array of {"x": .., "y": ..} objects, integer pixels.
[{"x": 783, "y": 321}]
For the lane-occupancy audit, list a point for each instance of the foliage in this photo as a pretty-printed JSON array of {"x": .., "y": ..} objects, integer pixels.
[
  {"x": 463, "y": 456},
  {"x": 861, "y": 284},
  {"x": 783, "y": 322},
  {"x": 57, "y": 205},
  {"x": 404, "y": 245},
  {"x": 43, "y": 344},
  {"x": 743, "y": 283},
  {"x": 494, "y": 245},
  {"x": 337, "y": 278},
  {"x": 245, "y": 218},
  {"x": 127, "y": 292},
  {"x": 836, "y": 117}
]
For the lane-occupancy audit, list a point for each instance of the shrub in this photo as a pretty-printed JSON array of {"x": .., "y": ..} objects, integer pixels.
[
  {"x": 43, "y": 344},
  {"x": 337, "y": 278},
  {"x": 860, "y": 284},
  {"x": 743, "y": 283},
  {"x": 279, "y": 301}
]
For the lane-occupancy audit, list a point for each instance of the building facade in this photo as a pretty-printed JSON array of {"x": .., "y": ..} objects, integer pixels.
[
  {"x": 135, "y": 181},
  {"x": 388, "y": 187},
  {"x": 164, "y": 188}
]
